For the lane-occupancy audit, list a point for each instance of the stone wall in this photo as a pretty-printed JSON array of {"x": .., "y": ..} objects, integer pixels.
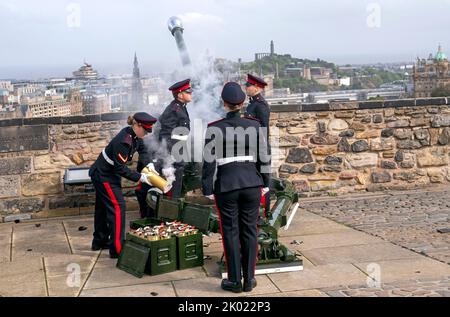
[
  {"x": 34, "y": 154},
  {"x": 324, "y": 149},
  {"x": 348, "y": 147}
]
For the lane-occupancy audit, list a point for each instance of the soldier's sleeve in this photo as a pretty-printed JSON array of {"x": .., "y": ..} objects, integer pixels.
[
  {"x": 263, "y": 163},
  {"x": 170, "y": 122},
  {"x": 120, "y": 158},
  {"x": 263, "y": 114},
  {"x": 209, "y": 166},
  {"x": 144, "y": 154}
]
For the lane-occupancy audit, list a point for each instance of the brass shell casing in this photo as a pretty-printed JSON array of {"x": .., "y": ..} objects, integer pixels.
[{"x": 157, "y": 180}]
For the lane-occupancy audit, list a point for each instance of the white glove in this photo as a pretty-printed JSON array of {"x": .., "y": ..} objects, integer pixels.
[
  {"x": 265, "y": 190},
  {"x": 168, "y": 171},
  {"x": 151, "y": 167},
  {"x": 211, "y": 197},
  {"x": 144, "y": 179}
]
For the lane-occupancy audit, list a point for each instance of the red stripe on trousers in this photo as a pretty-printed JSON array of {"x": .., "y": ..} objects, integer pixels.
[
  {"x": 139, "y": 186},
  {"x": 257, "y": 234},
  {"x": 263, "y": 203},
  {"x": 117, "y": 214},
  {"x": 221, "y": 232}
]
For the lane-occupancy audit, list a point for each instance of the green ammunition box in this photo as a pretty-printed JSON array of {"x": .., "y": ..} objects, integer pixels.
[
  {"x": 169, "y": 209},
  {"x": 198, "y": 216},
  {"x": 162, "y": 254},
  {"x": 141, "y": 223},
  {"x": 133, "y": 259},
  {"x": 190, "y": 251}
]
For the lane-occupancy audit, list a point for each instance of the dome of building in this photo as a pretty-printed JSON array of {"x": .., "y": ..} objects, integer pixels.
[{"x": 440, "y": 55}]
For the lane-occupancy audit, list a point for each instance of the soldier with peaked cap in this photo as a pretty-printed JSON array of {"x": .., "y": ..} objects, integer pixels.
[
  {"x": 235, "y": 158},
  {"x": 106, "y": 174},
  {"x": 177, "y": 116},
  {"x": 259, "y": 109}
]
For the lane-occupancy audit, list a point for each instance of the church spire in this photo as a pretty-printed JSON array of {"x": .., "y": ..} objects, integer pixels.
[
  {"x": 136, "y": 72},
  {"x": 137, "y": 97}
]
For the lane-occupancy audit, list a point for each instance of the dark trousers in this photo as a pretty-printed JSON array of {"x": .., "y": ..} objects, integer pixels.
[
  {"x": 141, "y": 194},
  {"x": 177, "y": 186},
  {"x": 238, "y": 214},
  {"x": 109, "y": 219}
]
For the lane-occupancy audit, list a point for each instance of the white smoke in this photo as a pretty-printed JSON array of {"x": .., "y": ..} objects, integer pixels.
[{"x": 207, "y": 106}]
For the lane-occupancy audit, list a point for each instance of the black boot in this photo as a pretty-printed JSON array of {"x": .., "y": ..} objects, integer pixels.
[
  {"x": 99, "y": 246},
  {"x": 250, "y": 285},
  {"x": 235, "y": 287}
]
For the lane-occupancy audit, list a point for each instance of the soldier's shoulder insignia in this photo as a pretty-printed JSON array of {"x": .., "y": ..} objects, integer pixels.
[
  {"x": 251, "y": 118},
  {"x": 176, "y": 107},
  {"x": 128, "y": 139},
  {"x": 214, "y": 122}
]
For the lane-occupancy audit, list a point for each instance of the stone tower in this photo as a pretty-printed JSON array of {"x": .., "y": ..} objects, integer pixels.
[{"x": 137, "y": 98}]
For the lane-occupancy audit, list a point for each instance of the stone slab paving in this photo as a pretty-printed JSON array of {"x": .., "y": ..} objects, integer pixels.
[
  {"x": 409, "y": 219},
  {"x": 409, "y": 288},
  {"x": 210, "y": 287},
  {"x": 338, "y": 261},
  {"x": 106, "y": 275},
  {"x": 358, "y": 253},
  {"x": 307, "y": 293},
  {"x": 398, "y": 270},
  {"x": 318, "y": 277},
  {"x": 5, "y": 246},
  {"x": 23, "y": 278},
  {"x": 164, "y": 289}
]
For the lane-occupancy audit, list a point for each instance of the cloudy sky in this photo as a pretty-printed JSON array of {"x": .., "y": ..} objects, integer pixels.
[{"x": 48, "y": 37}]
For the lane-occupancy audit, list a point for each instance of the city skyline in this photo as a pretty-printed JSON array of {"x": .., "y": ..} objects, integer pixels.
[{"x": 350, "y": 31}]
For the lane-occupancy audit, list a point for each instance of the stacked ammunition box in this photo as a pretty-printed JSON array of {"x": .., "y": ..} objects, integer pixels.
[{"x": 172, "y": 241}]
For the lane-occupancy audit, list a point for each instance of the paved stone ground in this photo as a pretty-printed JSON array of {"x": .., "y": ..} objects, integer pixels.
[
  {"x": 410, "y": 219},
  {"x": 413, "y": 288},
  {"x": 39, "y": 258}
]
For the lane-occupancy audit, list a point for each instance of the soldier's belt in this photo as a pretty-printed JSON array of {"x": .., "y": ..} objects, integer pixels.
[
  {"x": 107, "y": 159},
  {"x": 228, "y": 160},
  {"x": 180, "y": 137}
]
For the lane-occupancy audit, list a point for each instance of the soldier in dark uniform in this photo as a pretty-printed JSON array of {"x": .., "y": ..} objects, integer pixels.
[
  {"x": 241, "y": 172},
  {"x": 146, "y": 159},
  {"x": 176, "y": 116},
  {"x": 259, "y": 109},
  {"x": 106, "y": 174}
]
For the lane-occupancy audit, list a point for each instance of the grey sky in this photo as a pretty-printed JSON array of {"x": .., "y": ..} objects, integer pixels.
[{"x": 36, "y": 38}]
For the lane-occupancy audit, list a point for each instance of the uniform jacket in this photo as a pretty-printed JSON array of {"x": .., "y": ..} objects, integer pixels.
[
  {"x": 174, "y": 116},
  {"x": 234, "y": 175},
  {"x": 258, "y": 108},
  {"x": 119, "y": 152}
]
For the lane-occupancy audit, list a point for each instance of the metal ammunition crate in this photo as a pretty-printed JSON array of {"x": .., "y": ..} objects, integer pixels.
[
  {"x": 189, "y": 248},
  {"x": 141, "y": 256},
  {"x": 190, "y": 251}
]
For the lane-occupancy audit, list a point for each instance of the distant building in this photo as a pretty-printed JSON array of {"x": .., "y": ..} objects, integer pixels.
[
  {"x": 86, "y": 72},
  {"x": 259, "y": 56},
  {"x": 76, "y": 103},
  {"x": 94, "y": 103},
  {"x": 50, "y": 106},
  {"x": 431, "y": 74},
  {"x": 6, "y": 85},
  {"x": 137, "y": 97}
]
